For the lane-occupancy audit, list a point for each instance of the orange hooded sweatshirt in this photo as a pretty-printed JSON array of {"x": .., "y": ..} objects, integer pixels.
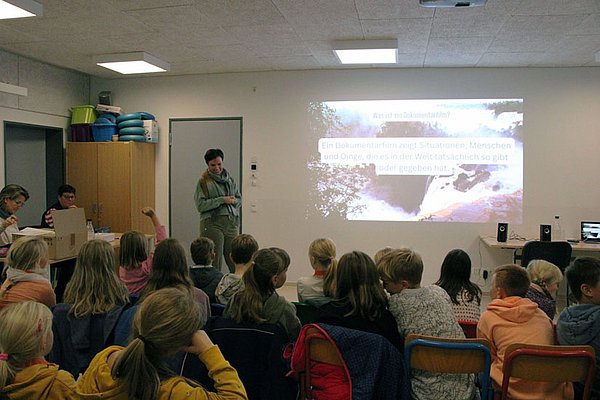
[{"x": 516, "y": 319}]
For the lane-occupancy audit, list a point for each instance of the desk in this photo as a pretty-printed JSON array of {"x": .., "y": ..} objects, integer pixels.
[{"x": 517, "y": 245}]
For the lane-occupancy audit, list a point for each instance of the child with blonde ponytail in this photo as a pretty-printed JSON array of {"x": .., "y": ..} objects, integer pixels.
[
  {"x": 258, "y": 302},
  {"x": 321, "y": 255},
  {"x": 168, "y": 320},
  {"x": 25, "y": 338}
]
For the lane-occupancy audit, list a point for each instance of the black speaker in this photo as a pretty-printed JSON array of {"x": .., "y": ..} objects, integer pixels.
[
  {"x": 545, "y": 233},
  {"x": 502, "y": 234},
  {"x": 105, "y": 98}
]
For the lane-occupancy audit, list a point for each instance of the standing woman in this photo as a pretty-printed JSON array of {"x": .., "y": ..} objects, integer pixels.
[
  {"x": 218, "y": 201},
  {"x": 12, "y": 198}
]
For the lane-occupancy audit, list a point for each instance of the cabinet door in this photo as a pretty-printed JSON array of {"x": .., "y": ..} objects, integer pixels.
[
  {"x": 142, "y": 185},
  {"x": 114, "y": 186},
  {"x": 82, "y": 173}
]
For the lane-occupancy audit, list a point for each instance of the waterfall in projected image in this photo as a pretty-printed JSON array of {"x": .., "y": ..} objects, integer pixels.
[{"x": 417, "y": 160}]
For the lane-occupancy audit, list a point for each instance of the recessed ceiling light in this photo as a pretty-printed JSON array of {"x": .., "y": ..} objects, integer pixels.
[
  {"x": 366, "y": 51},
  {"x": 132, "y": 63}
]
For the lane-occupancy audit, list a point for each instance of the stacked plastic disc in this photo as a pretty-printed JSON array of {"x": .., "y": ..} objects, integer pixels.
[{"x": 131, "y": 126}]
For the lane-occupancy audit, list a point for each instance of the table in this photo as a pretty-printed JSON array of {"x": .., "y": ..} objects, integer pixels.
[{"x": 517, "y": 245}]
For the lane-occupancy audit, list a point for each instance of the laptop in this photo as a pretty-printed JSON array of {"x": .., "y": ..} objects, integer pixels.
[{"x": 590, "y": 231}]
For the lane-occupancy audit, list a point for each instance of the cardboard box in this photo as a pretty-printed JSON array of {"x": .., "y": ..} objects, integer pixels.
[
  {"x": 151, "y": 130},
  {"x": 68, "y": 236}
]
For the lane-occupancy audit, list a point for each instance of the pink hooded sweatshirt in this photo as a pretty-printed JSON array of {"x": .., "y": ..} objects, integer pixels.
[{"x": 516, "y": 319}]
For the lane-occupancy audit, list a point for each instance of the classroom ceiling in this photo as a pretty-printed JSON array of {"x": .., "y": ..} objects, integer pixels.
[{"x": 216, "y": 36}]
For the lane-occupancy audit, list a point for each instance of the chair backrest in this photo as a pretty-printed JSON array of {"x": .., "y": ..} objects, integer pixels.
[
  {"x": 558, "y": 253},
  {"x": 469, "y": 328},
  {"x": 306, "y": 313},
  {"x": 447, "y": 355},
  {"x": 318, "y": 348},
  {"x": 546, "y": 363},
  {"x": 216, "y": 309},
  {"x": 255, "y": 351}
]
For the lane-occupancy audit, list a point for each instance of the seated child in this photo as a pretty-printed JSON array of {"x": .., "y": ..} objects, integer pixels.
[
  {"x": 94, "y": 299},
  {"x": 382, "y": 252},
  {"x": 258, "y": 302},
  {"x": 455, "y": 279},
  {"x": 544, "y": 277},
  {"x": 243, "y": 246},
  {"x": 135, "y": 258},
  {"x": 204, "y": 275},
  {"x": 358, "y": 300},
  {"x": 512, "y": 318},
  {"x": 426, "y": 311},
  {"x": 25, "y": 338},
  {"x": 167, "y": 321},
  {"x": 28, "y": 273},
  {"x": 579, "y": 324},
  {"x": 321, "y": 254}
]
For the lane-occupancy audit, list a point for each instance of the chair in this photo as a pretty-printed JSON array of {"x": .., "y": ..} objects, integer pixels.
[
  {"x": 255, "y": 351},
  {"x": 306, "y": 313},
  {"x": 445, "y": 355},
  {"x": 216, "y": 309},
  {"x": 558, "y": 253},
  {"x": 318, "y": 348},
  {"x": 469, "y": 328},
  {"x": 336, "y": 363},
  {"x": 548, "y": 363}
]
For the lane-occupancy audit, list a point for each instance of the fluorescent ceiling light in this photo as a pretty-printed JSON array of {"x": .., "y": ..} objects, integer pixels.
[
  {"x": 132, "y": 63},
  {"x": 366, "y": 51},
  {"x": 13, "y": 89},
  {"x": 20, "y": 9},
  {"x": 452, "y": 3}
]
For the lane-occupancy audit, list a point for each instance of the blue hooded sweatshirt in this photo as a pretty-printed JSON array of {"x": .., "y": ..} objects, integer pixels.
[{"x": 580, "y": 325}]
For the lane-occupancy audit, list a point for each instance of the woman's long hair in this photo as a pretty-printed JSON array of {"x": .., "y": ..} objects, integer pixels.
[
  {"x": 357, "y": 284},
  {"x": 247, "y": 304},
  {"x": 25, "y": 328},
  {"x": 165, "y": 321},
  {"x": 169, "y": 268},
  {"x": 455, "y": 276},
  {"x": 95, "y": 287}
]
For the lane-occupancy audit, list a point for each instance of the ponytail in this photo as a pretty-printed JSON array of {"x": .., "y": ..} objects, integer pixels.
[
  {"x": 24, "y": 327},
  {"x": 135, "y": 367},
  {"x": 165, "y": 321},
  {"x": 247, "y": 304}
]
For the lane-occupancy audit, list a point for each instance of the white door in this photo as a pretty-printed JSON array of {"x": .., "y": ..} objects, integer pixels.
[{"x": 190, "y": 138}]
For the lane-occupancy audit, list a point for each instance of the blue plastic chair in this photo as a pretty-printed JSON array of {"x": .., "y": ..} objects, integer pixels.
[{"x": 445, "y": 355}]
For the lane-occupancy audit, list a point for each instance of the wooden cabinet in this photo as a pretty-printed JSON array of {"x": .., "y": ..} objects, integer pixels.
[{"x": 114, "y": 180}]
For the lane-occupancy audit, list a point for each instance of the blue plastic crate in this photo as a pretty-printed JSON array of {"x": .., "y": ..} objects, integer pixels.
[{"x": 103, "y": 132}]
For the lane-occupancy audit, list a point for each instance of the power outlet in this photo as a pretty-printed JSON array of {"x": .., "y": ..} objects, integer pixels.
[{"x": 484, "y": 273}]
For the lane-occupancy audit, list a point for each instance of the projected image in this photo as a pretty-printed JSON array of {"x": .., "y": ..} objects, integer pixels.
[{"x": 417, "y": 160}]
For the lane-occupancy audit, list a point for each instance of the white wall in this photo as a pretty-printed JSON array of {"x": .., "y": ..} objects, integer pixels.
[
  {"x": 51, "y": 92},
  {"x": 560, "y": 148}
]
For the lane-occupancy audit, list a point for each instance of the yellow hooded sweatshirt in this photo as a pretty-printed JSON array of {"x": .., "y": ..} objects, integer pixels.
[
  {"x": 97, "y": 382},
  {"x": 41, "y": 382}
]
